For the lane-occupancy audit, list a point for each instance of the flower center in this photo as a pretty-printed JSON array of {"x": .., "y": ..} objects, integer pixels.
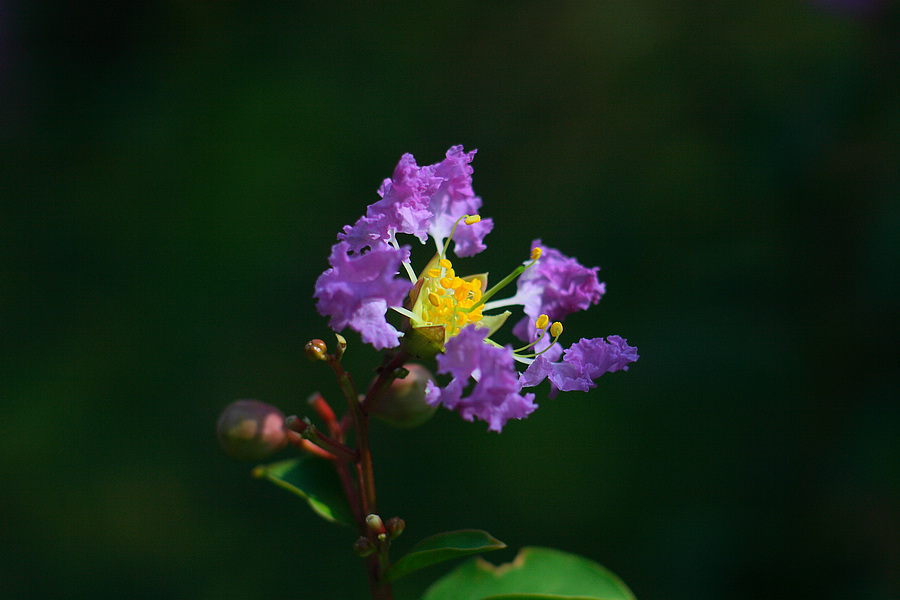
[
  {"x": 444, "y": 301},
  {"x": 452, "y": 301}
]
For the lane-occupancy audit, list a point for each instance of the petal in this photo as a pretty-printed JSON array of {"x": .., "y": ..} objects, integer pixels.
[
  {"x": 556, "y": 286},
  {"x": 495, "y": 396},
  {"x": 583, "y": 362},
  {"x": 403, "y": 207},
  {"x": 358, "y": 289},
  {"x": 455, "y": 198}
]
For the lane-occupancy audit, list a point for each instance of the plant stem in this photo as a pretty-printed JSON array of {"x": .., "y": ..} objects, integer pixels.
[{"x": 364, "y": 503}]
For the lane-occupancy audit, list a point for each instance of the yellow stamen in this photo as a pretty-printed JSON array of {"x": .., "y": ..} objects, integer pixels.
[
  {"x": 433, "y": 298},
  {"x": 556, "y": 329},
  {"x": 446, "y": 283},
  {"x": 434, "y": 272},
  {"x": 471, "y": 220},
  {"x": 536, "y": 253},
  {"x": 542, "y": 321},
  {"x": 444, "y": 263}
]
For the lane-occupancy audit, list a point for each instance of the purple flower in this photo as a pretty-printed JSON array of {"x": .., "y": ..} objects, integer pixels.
[
  {"x": 358, "y": 289},
  {"x": 583, "y": 362},
  {"x": 556, "y": 286},
  {"x": 496, "y": 397}
]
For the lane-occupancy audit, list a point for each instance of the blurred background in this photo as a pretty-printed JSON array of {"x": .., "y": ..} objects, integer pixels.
[{"x": 173, "y": 173}]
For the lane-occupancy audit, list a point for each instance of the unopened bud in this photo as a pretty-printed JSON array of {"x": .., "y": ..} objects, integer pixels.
[
  {"x": 375, "y": 524},
  {"x": 395, "y": 526},
  {"x": 316, "y": 350},
  {"x": 403, "y": 404},
  {"x": 251, "y": 430},
  {"x": 363, "y": 547}
]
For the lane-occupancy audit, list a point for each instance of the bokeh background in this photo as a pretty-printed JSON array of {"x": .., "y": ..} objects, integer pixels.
[{"x": 173, "y": 173}]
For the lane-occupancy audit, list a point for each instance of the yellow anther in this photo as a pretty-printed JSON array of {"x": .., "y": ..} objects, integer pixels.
[
  {"x": 445, "y": 263},
  {"x": 433, "y": 298},
  {"x": 542, "y": 322},
  {"x": 446, "y": 283},
  {"x": 472, "y": 219},
  {"x": 434, "y": 272},
  {"x": 451, "y": 273},
  {"x": 475, "y": 317},
  {"x": 456, "y": 282},
  {"x": 556, "y": 329},
  {"x": 461, "y": 319},
  {"x": 536, "y": 253}
]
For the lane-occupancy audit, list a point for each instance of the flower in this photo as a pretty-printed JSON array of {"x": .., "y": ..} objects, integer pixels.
[
  {"x": 582, "y": 363},
  {"x": 495, "y": 397},
  {"x": 450, "y": 317}
]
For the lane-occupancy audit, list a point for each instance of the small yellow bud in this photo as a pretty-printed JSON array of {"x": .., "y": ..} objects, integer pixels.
[
  {"x": 542, "y": 322},
  {"x": 536, "y": 253},
  {"x": 556, "y": 329}
]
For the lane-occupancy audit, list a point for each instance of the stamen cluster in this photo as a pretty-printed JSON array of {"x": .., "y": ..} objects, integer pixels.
[{"x": 452, "y": 301}]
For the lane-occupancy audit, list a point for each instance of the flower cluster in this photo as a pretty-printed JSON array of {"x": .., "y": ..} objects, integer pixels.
[{"x": 450, "y": 316}]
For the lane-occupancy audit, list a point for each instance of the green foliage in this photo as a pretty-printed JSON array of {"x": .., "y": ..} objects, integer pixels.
[
  {"x": 535, "y": 573},
  {"x": 441, "y": 547},
  {"x": 313, "y": 479}
]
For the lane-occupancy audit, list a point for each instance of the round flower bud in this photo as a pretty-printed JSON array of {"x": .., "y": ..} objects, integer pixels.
[
  {"x": 316, "y": 350},
  {"x": 364, "y": 547},
  {"x": 395, "y": 527},
  {"x": 403, "y": 405},
  {"x": 251, "y": 430}
]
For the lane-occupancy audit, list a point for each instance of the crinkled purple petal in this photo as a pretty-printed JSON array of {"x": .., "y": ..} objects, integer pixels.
[
  {"x": 556, "y": 286},
  {"x": 495, "y": 397},
  {"x": 359, "y": 288},
  {"x": 403, "y": 208},
  {"x": 455, "y": 198},
  {"x": 583, "y": 362}
]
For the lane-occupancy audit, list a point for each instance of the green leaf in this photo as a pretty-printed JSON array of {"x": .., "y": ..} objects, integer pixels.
[
  {"x": 313, "y": 479},
  {"x": 536, "y": 573},
  {"x": 441, "y": 547}
]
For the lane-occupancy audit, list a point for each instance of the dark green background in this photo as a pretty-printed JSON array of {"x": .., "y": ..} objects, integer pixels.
[{"x": 172, "y": 175}]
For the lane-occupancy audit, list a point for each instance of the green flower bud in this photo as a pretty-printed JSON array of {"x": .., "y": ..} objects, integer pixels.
[
  {"x": 395, "y": 527},
  {"x": 251, "y": 430},
  {"x": 403, "y": 405},
  {"x": 363, "y": 547},
  {"x": 316, "y": 350}
]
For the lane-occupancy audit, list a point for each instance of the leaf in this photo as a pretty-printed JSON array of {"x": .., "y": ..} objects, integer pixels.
[
  {"x": 536, "y": 573},
  {"x": 441, "y": 547},
  {"x": 313, "y": 479}
]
